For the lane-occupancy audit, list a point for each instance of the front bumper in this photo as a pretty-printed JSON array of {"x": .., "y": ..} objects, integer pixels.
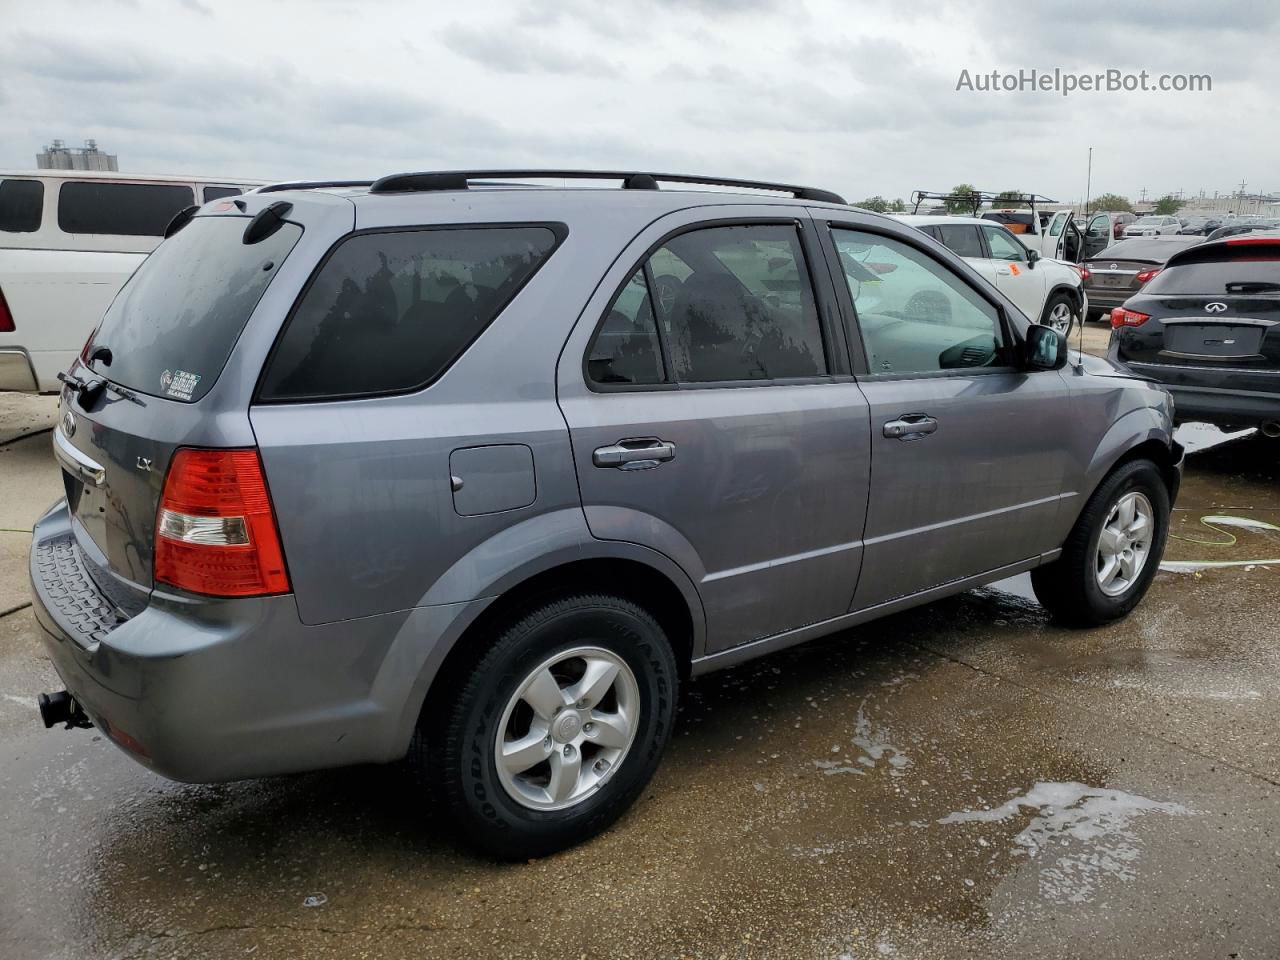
[{"x": 205, "y": 690}]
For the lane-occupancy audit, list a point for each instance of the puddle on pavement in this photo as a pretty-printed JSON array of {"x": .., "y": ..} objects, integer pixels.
[
  {"x": 1079, "y": 838},
  {"x": 1197, "y": 437}
]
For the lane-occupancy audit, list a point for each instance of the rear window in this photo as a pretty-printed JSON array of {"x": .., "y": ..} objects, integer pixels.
[
  {"x": 20, "y": 205},
  {"x": 1253, "y": 277},
  {"x": 172, "y": 326},
  {"x": 1016, "y": 222},
  {"x": 390, "y": 312},
  {"x": 963, "y": 239},
  {"x": 1155, "y": 249},
  {"x": 120, "y": 209}
]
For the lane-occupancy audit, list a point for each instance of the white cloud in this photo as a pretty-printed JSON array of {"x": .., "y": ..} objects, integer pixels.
[{"x": 855, "y": 97}]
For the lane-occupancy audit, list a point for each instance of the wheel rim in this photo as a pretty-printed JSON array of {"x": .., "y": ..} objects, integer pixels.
[
  {"x": 1060, "y": 318},
  {"x": 567, "y": 728},
  {"x": 1124, "y": 544}
]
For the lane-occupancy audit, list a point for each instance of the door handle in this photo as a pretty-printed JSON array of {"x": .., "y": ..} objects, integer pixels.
[
  {"x": 634, "y": 454},
  {"x": 1004, "y": 272},
  {"x": 913, "y": 426}
]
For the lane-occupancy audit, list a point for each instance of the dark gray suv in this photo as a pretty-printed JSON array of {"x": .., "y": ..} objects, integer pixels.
[{"x": 478, "y": 471}]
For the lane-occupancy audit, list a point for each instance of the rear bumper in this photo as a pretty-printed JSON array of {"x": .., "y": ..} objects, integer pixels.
[
  {"x": 1099, "y": 300},
  {"x": 16, "y": 372},
  {"x": 1223, "y": 406},
  {"x": 209, "y": 690}
]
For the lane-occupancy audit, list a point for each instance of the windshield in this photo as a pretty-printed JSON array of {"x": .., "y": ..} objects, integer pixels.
[{"x": 172, "y": 326}]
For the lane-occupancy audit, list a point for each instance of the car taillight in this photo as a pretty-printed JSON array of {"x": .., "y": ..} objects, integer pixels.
[
  {"x": 1120, "y": 317},
  {"x": 6, "y": 318},
  {"x": 216, "y": 531},
  {"x": 1146, "y": 275},
  {"x": 1083, "y": 271}
]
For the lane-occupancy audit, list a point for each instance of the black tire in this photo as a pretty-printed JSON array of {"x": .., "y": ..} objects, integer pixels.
[
  {"x": 460, "y": 733},
  {"x": 1060, "y": 299},
  {"x": 1068, "y": 588}
]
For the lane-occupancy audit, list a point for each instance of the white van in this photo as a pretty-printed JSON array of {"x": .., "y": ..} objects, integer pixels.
[{"x": 69, "y": 239}]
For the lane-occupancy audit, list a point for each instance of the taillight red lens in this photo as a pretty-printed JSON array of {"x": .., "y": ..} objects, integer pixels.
[
  {"x": 1083, "y": 271},
  {"x": 1120, "y": 317},
  {"x": 215, "y": 530},
  {"x": 1146, "y": 275},
  {"x": 6, "y": 318}
]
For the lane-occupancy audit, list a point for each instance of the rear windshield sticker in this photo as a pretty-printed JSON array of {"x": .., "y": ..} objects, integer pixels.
[{"x": 179, "y": 383}]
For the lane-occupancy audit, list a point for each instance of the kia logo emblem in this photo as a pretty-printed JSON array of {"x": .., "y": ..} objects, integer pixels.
[
  {"x": 68, "y": 424},
  {"x": 1216, "y": 307}
]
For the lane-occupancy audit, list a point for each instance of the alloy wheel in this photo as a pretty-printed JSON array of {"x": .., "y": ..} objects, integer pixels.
[
  {"x": 1124, "y": 544},
  {"x": 567, "y": 728}
]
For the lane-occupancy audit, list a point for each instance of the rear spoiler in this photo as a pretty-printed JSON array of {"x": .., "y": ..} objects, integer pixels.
[
  {"x": 1244, "y": 246},
  {"x": 977, "y": 199}
]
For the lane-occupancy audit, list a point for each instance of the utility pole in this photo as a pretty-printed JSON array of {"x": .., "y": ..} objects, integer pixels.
[
  {"x": 1088, "y": 183},
  {"x": 1142, "y": 197}
]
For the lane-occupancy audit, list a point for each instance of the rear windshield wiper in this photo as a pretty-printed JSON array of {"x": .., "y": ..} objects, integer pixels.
[
  {"x": 1250, "y": 286},
  {"x": 88, "y": 390}
]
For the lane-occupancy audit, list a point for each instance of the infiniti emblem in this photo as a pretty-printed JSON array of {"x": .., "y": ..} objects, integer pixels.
[
  {"x": 68, "y": 424},
  {"x": 1216, "y": 307}
]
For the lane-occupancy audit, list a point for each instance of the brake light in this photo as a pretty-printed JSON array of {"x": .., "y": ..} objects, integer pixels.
[
  {"x": 216, "y": 531},
  {"x": 1248, "y": 241},
  {"x": 6, "y": 318},
  {"x": 1120, "y": 317},
  {"x": 1082, "y": 270},
  {"x": 1146, "y": 275}
]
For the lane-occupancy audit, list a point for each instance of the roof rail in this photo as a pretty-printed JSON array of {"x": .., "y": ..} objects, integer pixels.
[
  {"x": 310, "y": 185},
  {"x": 977, "y": 198},
  {"x": 631, "y": 180}
]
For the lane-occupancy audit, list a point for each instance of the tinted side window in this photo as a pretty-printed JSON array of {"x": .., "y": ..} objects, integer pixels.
[
  {"x": 120, "y": 209},
  {"x": 21, "y": 202},
  {"x": 914, "y": 314},
  {"x": 390, "y": 312},
  {"x": 1003, "y": 246},
  {"x": 736, "y": 304},
  {"x": 963, "y": 239},
  {"x": 626, "y": 348},
  {"x": 217, "y": 193}
]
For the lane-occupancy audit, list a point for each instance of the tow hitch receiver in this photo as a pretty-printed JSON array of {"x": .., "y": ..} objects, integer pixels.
[{"x": 61, "y": 707}]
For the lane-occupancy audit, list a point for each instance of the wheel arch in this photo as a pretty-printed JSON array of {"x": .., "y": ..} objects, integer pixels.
[
  {"x": 636, "y": 573},
  {"x": 1142, "y": 434}
]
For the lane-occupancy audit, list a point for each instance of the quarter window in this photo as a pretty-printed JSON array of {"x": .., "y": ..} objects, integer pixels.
[
  {"x": 120, "y": 209},
  {"x": 626, "y": 348},
  {"x": 914, "y": 314},
  {"x": 219, "y": 193},
  {"x": 1004, "y": 246},
  {"x": 390, "y": 312},
  {"x": 21, "y": 202}
]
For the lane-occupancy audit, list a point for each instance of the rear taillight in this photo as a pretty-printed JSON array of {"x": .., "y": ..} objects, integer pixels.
[
  {"x": 6, "y": 318},
  {"x": 1083, "y": 271},
  {"x": 1248, "y": 241},
  {"x": 215, "y": 531},
  {"x": 1146, "y": 275},
  {"x": 1120, "y": 317}
]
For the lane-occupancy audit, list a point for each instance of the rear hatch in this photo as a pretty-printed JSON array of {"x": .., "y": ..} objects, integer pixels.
[
  {"x": 137, "y": 388},
  {"x": 1215, "y": 307}
]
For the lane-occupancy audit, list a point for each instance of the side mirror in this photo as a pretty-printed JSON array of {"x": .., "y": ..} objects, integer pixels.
[
  {"x": 1045, "y": 349},
  {"x": 1032, "y": 257}
]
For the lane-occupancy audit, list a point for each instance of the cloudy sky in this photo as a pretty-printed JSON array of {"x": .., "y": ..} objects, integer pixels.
[{"x": 856, "y": 97}]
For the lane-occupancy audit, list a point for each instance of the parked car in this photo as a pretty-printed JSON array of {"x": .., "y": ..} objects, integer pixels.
[
  {"x": 1235, "y": 229},
  {"x": 1105, "y": 226},
  {"x": 68, "y": 240},
  {"x": 480, "y": 474},
  {"x": 1208, "y": 328},
  {"x": 1199, "y": 226},
  {"x": 1048, "y": 291},
  {"x": 1152, "y": 227},
  {"x": 1118, "y": 272},
  {"x": 1050, "y": 233}
]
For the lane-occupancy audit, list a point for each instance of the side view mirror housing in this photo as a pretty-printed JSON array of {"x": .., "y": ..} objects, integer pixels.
[
  {"x": 1032, "y": 257},
  {"x": 1044, "y": 349}
]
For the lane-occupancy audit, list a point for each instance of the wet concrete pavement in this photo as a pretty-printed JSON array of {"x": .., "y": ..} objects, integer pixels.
[{"x": 962, "y": 780}]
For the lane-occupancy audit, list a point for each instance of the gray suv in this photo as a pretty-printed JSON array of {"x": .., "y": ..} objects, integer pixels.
[{"x": 463, "y": 468}]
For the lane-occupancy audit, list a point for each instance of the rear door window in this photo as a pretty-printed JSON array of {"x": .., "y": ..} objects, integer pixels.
[
  {"x": 21, "y": 203},
  {"x": 963, "y": 239},
  {"x": 120, "y": 209},
  {"x": 172, "y": 326},
  {"x": 390, "y": 312}
]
